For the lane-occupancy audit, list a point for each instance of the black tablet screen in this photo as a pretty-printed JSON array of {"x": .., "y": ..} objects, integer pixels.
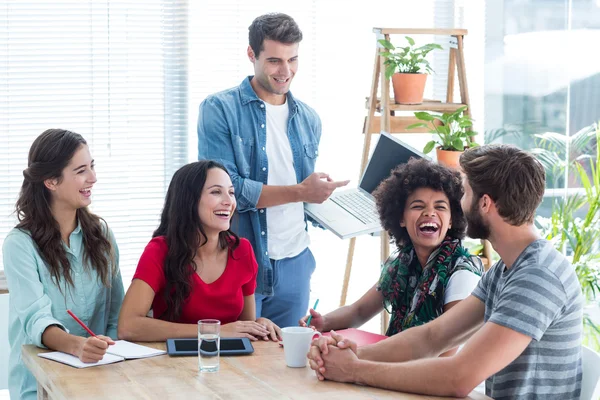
[{"x": 192, "y": 344}]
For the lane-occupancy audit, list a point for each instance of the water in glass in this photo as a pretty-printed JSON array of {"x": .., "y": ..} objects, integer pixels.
[{"x": 208, "y": 352}]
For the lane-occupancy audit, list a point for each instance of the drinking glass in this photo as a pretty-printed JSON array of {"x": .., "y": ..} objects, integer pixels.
[{"x": 208, "y": 344}]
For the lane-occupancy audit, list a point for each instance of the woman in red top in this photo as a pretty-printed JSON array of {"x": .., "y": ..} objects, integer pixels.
[{"x": 195, "y": 267}]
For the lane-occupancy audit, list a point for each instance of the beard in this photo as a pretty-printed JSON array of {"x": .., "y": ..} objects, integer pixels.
[{"x": 476, "y": 226}]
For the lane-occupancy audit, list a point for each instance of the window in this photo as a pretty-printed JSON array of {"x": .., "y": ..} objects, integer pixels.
[
  {"x": 541, "y": 78},
  {"x": 115, "y": 73}
]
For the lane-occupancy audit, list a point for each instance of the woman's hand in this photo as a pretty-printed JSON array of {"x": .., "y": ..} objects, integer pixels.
[
  {"x": 93, "y": 348},
  {"x": 317, "y": 321},
  {"x": 250, "y": 329},
  {"x": 274, "y": 331}
]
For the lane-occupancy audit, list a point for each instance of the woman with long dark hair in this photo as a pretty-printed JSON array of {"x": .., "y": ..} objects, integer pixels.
[
  {"x": 195, "y": 267},
  {"x": 60, "y": 256}
]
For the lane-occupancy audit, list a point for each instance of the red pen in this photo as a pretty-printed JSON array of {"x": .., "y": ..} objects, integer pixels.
[{"x": 80, "y": 322}]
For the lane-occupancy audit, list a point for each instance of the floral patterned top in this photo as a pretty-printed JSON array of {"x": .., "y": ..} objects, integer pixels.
[{"x": 414, "y": 295}]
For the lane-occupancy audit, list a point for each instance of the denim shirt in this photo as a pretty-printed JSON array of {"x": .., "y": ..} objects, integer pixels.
[{"x": 232, "y": 129}]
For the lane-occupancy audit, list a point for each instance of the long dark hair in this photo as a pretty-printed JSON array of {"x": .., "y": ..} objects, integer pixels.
[
  {"x": 180, "y": 224},
  {"x": 49, "y": 155}
]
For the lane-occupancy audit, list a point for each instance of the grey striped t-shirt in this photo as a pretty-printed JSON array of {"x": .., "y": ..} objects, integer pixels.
[{"x": 540, "y": 297}]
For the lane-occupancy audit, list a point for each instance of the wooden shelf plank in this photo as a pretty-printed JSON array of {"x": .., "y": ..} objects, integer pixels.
[
  {"x": 427, "y": 106},
  {"x": 431, "y": 105},
  {"x": 398, "y": 124},
  {"x": 408, "y": 31}
]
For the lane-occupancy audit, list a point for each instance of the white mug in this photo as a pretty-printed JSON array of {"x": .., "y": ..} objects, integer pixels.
[{"x": 296, "y": 342}]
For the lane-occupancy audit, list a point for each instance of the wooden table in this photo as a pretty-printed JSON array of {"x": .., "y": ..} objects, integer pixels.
[{"x": 262, "y": 375}]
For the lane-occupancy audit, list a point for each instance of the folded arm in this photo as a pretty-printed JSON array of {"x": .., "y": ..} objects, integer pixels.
[
  {"x": 444, "y": 333},
  {"x": 487, "y": 352}
]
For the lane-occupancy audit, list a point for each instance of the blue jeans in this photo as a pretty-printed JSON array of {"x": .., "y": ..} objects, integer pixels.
[{"x": 291, "y": 278}]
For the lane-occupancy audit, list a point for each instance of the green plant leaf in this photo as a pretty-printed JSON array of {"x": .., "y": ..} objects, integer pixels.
[
  {"x": 458, "y": 144},
  {"x": 429, "y": 146},
  {"x": 552, "y": 141},
  {"x": 424, "y": 116},
  {"x": 410, "y": 40},
  {"x": 418, "y": 125},
  {"x": 456, "y": 114},
  {"x": 385, "y": 43},
  {"x": 444, "y": 129},
  {"x": 581, "y": 139},
  {"x": 390, "y": 70}
]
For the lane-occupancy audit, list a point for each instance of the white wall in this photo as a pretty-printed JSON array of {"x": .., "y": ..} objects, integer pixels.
[{"x": 3, "y": 341}]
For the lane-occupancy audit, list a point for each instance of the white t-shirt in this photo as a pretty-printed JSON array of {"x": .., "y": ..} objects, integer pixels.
[
  {"x": 460, "y": 285},
  {"x": 286, "y": 236}
]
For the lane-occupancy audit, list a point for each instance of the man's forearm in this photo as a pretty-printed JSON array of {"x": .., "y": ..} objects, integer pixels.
[
  {"x": 411, "y": 344},
  {"x": 277, "y": 195},
  {"x": 434, "y": 376}
]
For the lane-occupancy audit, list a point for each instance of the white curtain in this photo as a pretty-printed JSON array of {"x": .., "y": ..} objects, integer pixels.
[{"x": 113, "y": 71}]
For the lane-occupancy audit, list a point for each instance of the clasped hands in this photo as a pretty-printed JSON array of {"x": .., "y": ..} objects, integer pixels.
[{"x": 333, "y": 358}]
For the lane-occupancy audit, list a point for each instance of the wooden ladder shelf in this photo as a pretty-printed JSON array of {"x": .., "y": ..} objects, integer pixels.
[{"x": 388, "y": 121}]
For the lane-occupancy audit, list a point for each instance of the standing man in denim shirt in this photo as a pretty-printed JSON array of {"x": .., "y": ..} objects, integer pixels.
[{"x": 268, "y": 141}]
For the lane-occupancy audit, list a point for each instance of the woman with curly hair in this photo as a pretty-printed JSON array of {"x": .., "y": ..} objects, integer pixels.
[{"x": 430, "y": 272}]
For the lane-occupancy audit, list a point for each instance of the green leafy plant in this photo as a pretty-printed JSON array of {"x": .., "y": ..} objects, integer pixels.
[
  {"x": 453, "y": 130},
  {"x": 552, "y": 151},
  {"x": 408, "y": 59},
  {"x": 578, "y": 236}
]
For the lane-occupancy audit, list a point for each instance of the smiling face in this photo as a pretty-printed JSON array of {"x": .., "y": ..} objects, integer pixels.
[
  {"x": 427, "y": 218},
  {"x": 274, "y": 70},
  {"x": 217, "y": 201},
  {"x": 74, "y": 189}
]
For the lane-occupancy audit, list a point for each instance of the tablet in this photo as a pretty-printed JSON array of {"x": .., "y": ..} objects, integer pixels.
[{"x": 228, "y": 347}]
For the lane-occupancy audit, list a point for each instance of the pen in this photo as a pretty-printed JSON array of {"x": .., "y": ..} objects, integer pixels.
[
  {"x": 80, "y": 322},
  {"x": 310, "y": 317}
]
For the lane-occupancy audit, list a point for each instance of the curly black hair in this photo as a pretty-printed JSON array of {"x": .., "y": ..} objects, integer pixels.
[{"x": 391, "y": 195}]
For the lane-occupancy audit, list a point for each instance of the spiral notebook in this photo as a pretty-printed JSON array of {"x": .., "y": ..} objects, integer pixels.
[{"x": 120, "y": 351}]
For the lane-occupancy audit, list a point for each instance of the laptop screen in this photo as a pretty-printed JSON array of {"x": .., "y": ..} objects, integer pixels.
[{"x": 389, "y": 152}]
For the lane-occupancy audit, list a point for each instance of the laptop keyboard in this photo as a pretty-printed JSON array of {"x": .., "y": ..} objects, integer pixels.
[{"x": 358, "y": 205}]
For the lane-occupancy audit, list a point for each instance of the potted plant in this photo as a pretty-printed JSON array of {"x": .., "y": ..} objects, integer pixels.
[
  {"x": 405, "y": 65},
  {"x": 574, "y": 226},
  {"x": 453, "y": 131}
]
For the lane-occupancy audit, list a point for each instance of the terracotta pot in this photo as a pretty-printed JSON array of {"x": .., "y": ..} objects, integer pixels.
[
  {"x": 409, "y": 88},
  {"x": 448, "y": 158}
]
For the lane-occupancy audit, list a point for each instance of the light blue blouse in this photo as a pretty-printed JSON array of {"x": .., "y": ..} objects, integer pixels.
[{"x": 35, "y": 301}]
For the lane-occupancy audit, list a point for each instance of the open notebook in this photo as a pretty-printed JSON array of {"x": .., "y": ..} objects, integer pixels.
[{"x": 120, "y": 351}]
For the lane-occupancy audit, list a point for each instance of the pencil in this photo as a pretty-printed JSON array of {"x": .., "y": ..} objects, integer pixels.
[
  {"x": 80, "y": 322},
  {"x": 310, "y": 317}
]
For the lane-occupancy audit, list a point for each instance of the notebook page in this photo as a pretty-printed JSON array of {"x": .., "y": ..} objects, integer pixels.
[
  {"x": 130, "y": 350},
  {"x": 76, "y": 362}
]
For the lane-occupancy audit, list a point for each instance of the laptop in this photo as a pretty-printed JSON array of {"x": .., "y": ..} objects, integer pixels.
[{"x": 353, "y": 212}]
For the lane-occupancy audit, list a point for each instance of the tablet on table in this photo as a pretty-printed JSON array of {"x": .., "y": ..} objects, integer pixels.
[{"x": 227, "y": 347}]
